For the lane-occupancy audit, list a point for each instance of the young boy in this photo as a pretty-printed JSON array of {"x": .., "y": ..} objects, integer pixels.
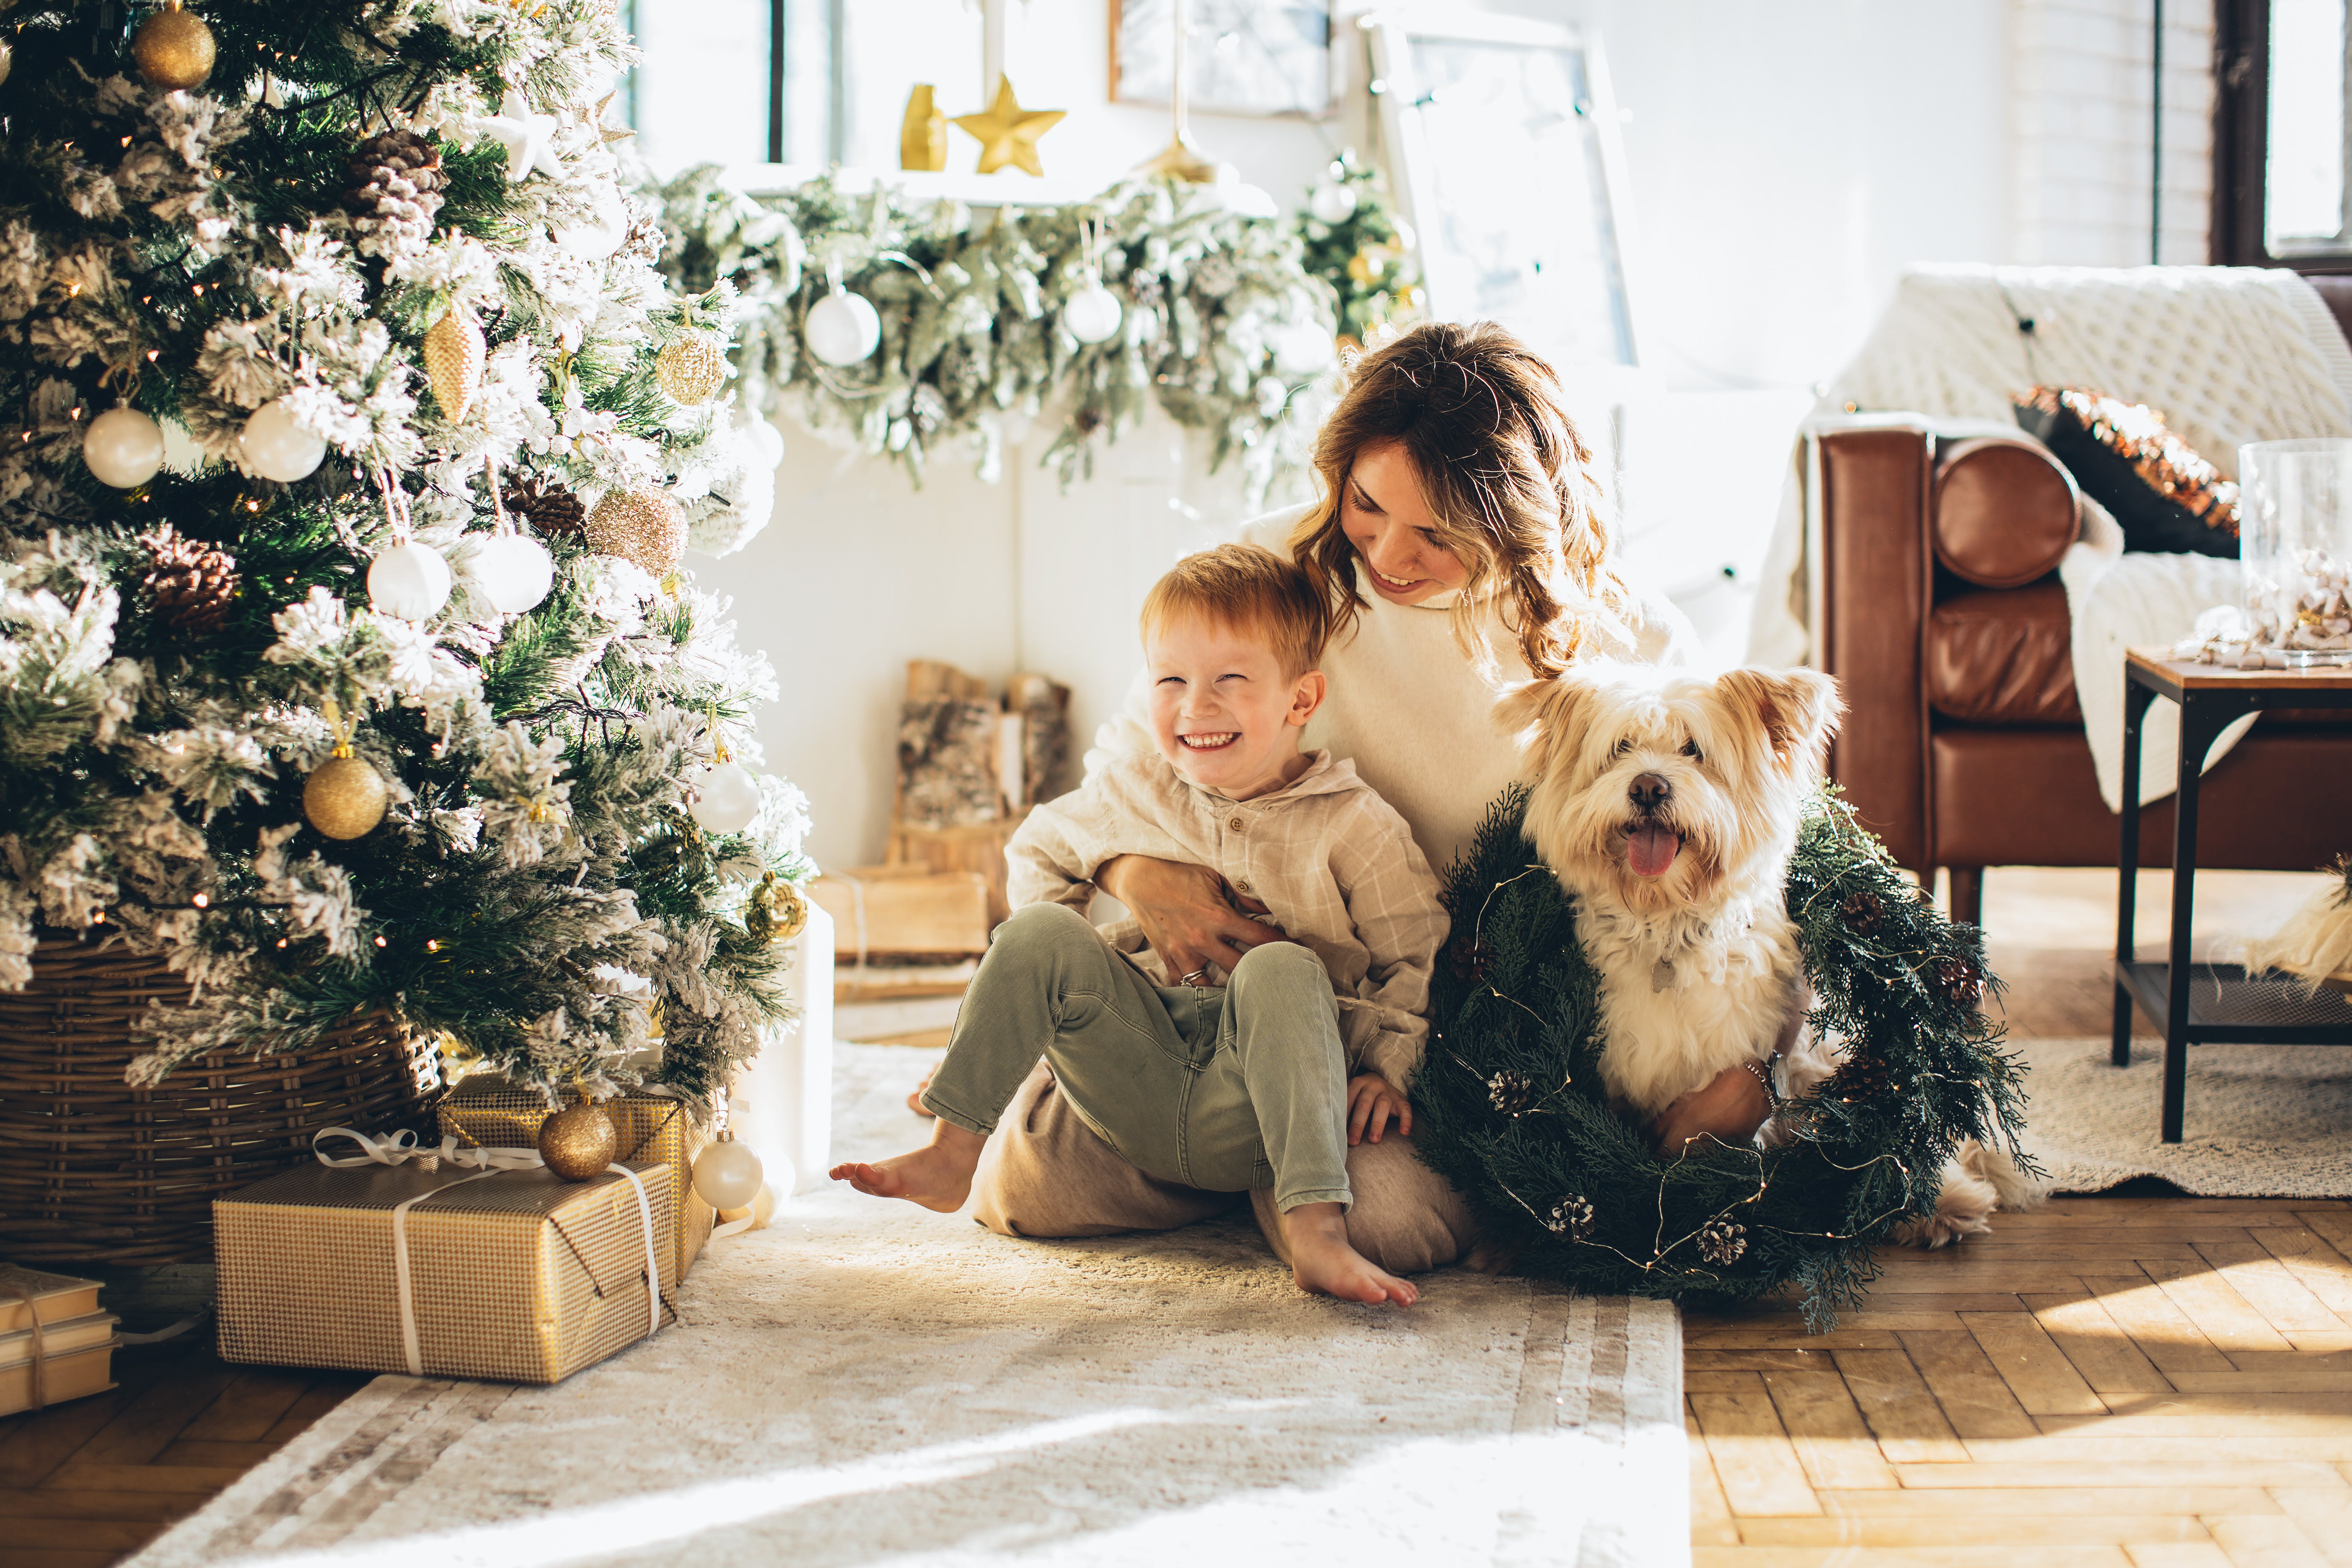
[{"x": 1223, "y": 1082}]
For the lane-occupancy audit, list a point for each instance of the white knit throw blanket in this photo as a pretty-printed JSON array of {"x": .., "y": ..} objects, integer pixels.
[{"x": 2228, "y": 354}]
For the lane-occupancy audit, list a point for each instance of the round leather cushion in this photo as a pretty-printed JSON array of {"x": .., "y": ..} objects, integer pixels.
[{"x": 2004, "y": 511}]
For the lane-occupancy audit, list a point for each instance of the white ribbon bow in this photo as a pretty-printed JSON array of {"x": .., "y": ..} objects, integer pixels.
[{"x": 401, "y": 1148}]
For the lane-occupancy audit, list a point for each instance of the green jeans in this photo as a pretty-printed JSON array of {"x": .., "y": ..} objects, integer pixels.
[{"x": 1224, "y": 1090}]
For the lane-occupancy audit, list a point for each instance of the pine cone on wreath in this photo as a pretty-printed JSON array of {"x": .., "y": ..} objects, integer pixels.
[
  {"x": 1864, "y": 1076},
  {"x": 547, "y": 506},
  {"x": 1959, "y": 982},
  {"x": 192, "y": 585},
  {"x": 1570, "y": 1217},
  {"x": 1468, "y": 963},
  {"x": 394, "y": 191},
  {"x": 1722, "y": 1243},
  {"x": 1510, "y": 1093},
  {"x": 1862, "y": 913}
]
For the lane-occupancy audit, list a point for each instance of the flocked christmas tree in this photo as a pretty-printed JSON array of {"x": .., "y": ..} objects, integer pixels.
[{"x": 351, "y": 440}]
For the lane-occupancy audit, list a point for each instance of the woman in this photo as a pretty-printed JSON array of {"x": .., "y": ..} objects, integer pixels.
[{"x": 1461, "y": 539}]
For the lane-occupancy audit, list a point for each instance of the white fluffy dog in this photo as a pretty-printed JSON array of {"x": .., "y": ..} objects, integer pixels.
[{"x": 1668, "y": 806}]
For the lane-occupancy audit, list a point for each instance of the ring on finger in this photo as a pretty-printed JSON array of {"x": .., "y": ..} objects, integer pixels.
[{"x": 1196, "y": 977}]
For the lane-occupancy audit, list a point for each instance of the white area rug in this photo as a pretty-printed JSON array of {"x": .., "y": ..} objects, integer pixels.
[
  {"x": 2262, "y": 1121},
  {"x": 869, "y": 1383}
]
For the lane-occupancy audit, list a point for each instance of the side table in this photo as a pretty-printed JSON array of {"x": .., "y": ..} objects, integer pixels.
[{"x": 2208, "y": 1003}]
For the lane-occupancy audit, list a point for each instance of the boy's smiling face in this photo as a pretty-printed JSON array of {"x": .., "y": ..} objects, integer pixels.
[{"x": 1224, "y": 712}]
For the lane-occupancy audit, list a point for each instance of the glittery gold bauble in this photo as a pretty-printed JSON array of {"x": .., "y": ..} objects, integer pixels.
[
  {"x": 453, "y": 351},
  {"x": 691, "y": 369},
  {"x": 173, "y": 49},
  {"x": 344, "y": 798},
  {"x": 643, "y": 527},
  {"x": 776, "y": 912},
  {"x": 578, "y": 1141}
]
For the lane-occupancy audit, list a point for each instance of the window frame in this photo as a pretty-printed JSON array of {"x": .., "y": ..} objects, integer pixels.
[{"x": 2242, "y": 106}]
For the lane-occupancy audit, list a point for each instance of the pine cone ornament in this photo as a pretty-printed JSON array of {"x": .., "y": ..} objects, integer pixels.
[
  {"x": 192, "y": 585},
  {"x": 394, "y": 191},
  {"x": 1959, "y": 982},
  {"x": 1864, "y": 1076},
  {"x": 1722, "y": 1243},
  {"x": 1570, "y": 1217},
  {"x": 547, "y": 507},
  {"x": 1862, "y": 913},
  {"x": 1468, "y": 962},
  {"x": 1511, "y": 1092}
]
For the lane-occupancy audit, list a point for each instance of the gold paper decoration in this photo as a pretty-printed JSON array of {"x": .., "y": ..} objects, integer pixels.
[
  {"x": 578, "y": 1141},
  {"x": 923, "y": 134},
  {"x": 644, "y": 526},
  {"x": 691, "y": 368},
  {"x": 1007, "y": 133},
  {"x": 454, "y": 352},
  {"x": 173, "y": 49}
]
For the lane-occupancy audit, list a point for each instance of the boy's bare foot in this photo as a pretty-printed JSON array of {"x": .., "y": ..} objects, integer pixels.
[
  {"x": 937, "y": 1175},
  {"x": 1322, "y": 1261}
]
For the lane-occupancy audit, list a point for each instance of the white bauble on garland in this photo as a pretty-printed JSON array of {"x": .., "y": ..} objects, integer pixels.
[
  {"x": 410, "y": 581},
  {"x": 1093, "y": 313},
  {"x": 727, "y": 799},
  {"x": 515, "y": 570},
  {"x": 277, "y": 446},
  {"x": 843, "y": 328},
  {"x": 124, "y": 448},
  {"x": 1332, "y": 202},
  {"x": 600, "y": 233}
]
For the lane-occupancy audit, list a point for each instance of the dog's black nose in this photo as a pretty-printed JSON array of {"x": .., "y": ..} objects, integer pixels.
[{"x": 1648, "y": 792}]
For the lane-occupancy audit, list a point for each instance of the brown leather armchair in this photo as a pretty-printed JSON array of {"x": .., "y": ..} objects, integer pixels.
[{"x": 1939, "y": 610}]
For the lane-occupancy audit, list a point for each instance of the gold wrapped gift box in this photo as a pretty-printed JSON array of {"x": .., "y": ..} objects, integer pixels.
[
  {"x": 517, "y": 1275},
  {"x": 486, "y": 1111}
]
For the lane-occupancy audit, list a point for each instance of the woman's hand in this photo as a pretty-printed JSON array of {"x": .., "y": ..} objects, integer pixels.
[
  {"x": 1372, "y": 1101},
  {"x": 1730, "y": 1108},
  {"x": 1185, "y": 912}
]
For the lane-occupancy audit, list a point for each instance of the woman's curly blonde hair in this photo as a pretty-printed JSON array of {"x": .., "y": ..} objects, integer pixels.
[{"x": 1504, "y": 472}]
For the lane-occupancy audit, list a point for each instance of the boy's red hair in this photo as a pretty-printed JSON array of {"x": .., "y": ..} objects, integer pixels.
[{"x": 1250, "y": 590}]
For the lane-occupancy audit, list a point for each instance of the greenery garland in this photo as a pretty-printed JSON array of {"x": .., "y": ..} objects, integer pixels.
[
  {"x": 1222, "y": 325},
  {"x": 1513, "y": 1112},
  {"x": 1366, "y": 255}
]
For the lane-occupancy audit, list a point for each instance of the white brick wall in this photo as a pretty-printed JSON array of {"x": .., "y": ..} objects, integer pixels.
[{"x": 2081, "y": 116}]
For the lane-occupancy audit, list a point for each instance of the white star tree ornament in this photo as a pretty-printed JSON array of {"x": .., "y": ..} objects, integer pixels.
[{"x": 529, "y": 138}]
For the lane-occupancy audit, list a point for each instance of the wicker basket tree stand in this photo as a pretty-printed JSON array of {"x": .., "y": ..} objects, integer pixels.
[{"x": 93, "y": 1171}]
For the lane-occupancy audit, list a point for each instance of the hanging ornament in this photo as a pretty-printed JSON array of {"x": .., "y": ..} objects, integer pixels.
[
  {"x": 515, "y": 570},
  {"x": 726, "y": 797},
  {"x": 173, "y": 49},
  {"x": 601, "y": 232},
  {"x": 410, "y": 581},
  {"x": 691, "y": 369},
  {"x": 547, "y": 506},
  {"x": 726, "y": 1175},
  {"x": 842, "y": 329},
  {"x": 1007, "y": 133},
  {"x": 391, "y": 189},
  {"x": 454, "y": 352},
  {"x": 776, "y": 912},
  {"x": 344, "y": 797},
  {"x": 579, "y": 1142},
  {"x": 1092, "y": 312},
  {"x": 1331, "y": 203},
  {"x": 529, "y": 138},
  {"x": 192, "y": 585},
  {"x": 643, "y": 527},
  {"x": 276, "y": 446},
  {"x": 123, "y": 446}
]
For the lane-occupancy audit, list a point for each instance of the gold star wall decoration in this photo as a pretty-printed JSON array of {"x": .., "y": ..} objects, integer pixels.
[{"x": 1008, "y": 133}]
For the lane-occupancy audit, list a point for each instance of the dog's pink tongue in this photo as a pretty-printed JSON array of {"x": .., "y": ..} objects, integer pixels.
[{"x": 1650, "y": 849}]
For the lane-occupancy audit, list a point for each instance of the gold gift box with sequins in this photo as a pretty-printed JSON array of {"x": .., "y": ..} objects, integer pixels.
[
  {"x": 486, "y": 1111},
  {"x": 515, "y": 1275}
]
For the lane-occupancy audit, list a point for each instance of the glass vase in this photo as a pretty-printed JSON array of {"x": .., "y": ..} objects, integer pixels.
[{"x": 2295, "y": 546}]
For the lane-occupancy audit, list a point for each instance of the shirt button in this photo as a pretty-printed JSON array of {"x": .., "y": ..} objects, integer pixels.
[
  {"x": 1235, "y": 825},
  {"x": 1242, "y": 884}
]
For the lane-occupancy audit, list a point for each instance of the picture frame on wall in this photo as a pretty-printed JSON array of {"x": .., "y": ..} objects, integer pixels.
[
  {"x": 1506, "y": 154},
  {"x": 1242, "y": 56}
]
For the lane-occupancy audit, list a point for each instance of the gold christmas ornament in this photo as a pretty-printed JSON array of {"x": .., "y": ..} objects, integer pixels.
[
  {"x": 454, "y": 351},
  {"x": 1007, "y": 133},
  {"x": 173, "y": 49},
  {"x": 691, "y": 368},
  {"x": 776, "y": 912},
  {"x": 643, "y": 527},
  {"x": 923, "y": 134},
  {"x": 344, "y": 797},
  {"x": 579, "y": 1141}
]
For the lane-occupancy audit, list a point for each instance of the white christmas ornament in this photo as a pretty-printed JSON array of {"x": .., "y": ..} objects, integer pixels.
[
  {"x": 728, "y": 1175},
  {"x": 1301, "y": 350},
  {"x": 410, "y": 581},
  {"x": 599, "y": 234},
  {"x": 529, "y": 138},
  {"x": 843, "y": 328},
  {"x": 123, "y": 446},
  {"x": 514, "y": 571},
  {"x": 729, "y": 800},
  {"x": 277, "y": 447},
  {"x": 1093, "y": 313},
  {"x": 1332, "y": 202}
]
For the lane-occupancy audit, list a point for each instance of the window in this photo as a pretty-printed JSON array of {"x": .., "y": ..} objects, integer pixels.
[
  {"x": 2281, "y": 134},
  {"x": 737, "y": 81}
]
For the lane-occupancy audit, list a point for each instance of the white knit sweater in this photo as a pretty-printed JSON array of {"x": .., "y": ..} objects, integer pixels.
[{"x": 1407, "y": 707}]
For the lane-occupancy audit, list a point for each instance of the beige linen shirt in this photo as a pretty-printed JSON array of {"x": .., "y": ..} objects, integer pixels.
[{"x": 1332, "y": 861}]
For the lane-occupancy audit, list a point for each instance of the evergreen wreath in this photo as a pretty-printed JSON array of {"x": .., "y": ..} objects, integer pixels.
[{"x": 1513, "y": 1113}]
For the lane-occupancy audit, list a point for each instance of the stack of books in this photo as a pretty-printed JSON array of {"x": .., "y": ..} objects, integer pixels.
[{"x": 75, "y": 1353}]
